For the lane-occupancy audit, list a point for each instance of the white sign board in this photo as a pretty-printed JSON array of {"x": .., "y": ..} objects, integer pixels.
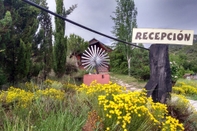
[{"x": 162, "y": 36}]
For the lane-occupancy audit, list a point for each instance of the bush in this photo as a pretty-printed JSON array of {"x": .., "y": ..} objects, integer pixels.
[
  {"x": 187, "y": 87},
  {"x": 176, "y": 71},
  {"x": 180, "y": 108},
  {"x": 110, "y": 106},
  {"x": 119, "y": 109}
]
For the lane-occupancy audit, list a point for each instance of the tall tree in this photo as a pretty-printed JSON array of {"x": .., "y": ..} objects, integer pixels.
[
  {"x": 60, "y": 49},
  {"x": 18, "y": 41},
  {"x": 125, "y": 21},
  {"x": 46, "y": 47},
  {"x": 5, "y": 23}
]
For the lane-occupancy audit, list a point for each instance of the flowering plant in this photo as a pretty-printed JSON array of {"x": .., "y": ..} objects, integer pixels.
[{"x": 176, "y": 71}]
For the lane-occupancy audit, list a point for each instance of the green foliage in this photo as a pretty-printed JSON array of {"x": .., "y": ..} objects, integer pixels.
[
  {"x": 125, "y": 21},
  {"x": 60, "y": 46},
  {"x": 94, "y": 107},
  {"x": 176, "y": 71},
  {"x": 139, "y": 63},
  {"x": 186, "y": 87},
  {"x": 17, "y": 55},
  {"x": 45, "y": 41},
  {"x": 118, "y": 62},
  {"x": 23, "y": 63},
  {"x": 76, "y": 44},
  {"x": 185, "y": 56},
  {"x": 5, "y": 23},
  {"x": 45, "y": 109}
]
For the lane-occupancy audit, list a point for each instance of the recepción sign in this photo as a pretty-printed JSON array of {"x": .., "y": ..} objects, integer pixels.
[{"x": 162, "y": 36}]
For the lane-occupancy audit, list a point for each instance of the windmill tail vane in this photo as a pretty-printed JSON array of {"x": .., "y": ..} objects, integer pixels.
[{"x": 95, "y": 58}]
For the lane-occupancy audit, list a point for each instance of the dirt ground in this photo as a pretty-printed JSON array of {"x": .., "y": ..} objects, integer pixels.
[{"x": 133, "y": 86}]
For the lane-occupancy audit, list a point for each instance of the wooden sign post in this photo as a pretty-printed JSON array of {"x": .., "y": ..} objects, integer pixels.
[{"x": 160, "y": 84}]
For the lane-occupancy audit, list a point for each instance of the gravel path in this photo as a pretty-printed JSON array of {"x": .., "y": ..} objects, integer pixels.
[{"x": 193, "y": 103}]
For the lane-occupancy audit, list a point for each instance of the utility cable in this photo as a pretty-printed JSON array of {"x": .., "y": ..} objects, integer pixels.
[{"x": 77, "y": 24}]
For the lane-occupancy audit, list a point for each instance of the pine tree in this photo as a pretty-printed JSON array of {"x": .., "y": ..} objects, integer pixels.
[
  {"x": 60, "y": 49},
  {"x": 46, "y": 47},
  {"x": 5, "y": 22},
  {"x": 23, "y": 61},
  {"x": 125, "y": 21},
  {"x": 18, "y": 41}
]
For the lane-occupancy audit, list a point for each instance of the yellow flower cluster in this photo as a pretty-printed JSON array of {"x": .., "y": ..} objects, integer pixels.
[
  {"x": 172, "y": 124},
  {"x": 51, "y": 93},
  {"x": 48, "y": 82},
  {"x": 96, "y": 88},
  {"x": 129, "y": 110},
  {"x": 24, "y": 98},
  {"x": 126, "y": 108},
  {"x": 184, "y": 89}
]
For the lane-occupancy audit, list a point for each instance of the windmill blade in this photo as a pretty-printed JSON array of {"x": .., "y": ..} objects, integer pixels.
[{"x": 95, "y": 57}]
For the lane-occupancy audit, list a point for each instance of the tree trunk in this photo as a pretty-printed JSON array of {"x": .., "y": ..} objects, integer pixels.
[
  {"x": 159, "y": 86},
  {"x": 129, "y": 66}
]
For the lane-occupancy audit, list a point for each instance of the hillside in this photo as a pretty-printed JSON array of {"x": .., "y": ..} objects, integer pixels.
[{"x": 189, "y": 51}]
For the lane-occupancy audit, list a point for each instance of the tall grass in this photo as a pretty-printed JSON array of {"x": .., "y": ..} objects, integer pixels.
[
  {"x": 46, "y": 111},
  {"x": 59, "y": 106}
]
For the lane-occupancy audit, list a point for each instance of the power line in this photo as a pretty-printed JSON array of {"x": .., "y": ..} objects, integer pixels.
[{"x": 82, "y": 26}]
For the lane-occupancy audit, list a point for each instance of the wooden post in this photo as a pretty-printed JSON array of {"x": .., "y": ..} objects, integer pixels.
[{"x": 160, "y": 85}]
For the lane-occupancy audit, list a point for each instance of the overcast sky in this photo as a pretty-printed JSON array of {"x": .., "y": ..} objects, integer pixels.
[{"x": 95, "y": 14}]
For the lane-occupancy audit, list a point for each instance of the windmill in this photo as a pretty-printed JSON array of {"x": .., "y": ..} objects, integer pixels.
[{"x": 95, "y": 58}]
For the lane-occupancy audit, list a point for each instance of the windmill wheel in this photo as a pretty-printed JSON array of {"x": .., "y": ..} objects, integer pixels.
[{"x": 95, "y": 58}]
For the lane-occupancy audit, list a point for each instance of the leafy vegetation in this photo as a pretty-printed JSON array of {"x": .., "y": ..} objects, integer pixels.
[
  {"x": 62, "y": 106},
  {"x": 185, "y": 56},
  {"x": 125, "y": 21},
  {"x": 27, "y": 50},
  {"x": 27, "y": 53},
  {"x": 60, "y": 45},
  {"x": 187, "y": 88},
  {"x": 76, "y": 45},
  {"x": 139, "y": 63}
]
